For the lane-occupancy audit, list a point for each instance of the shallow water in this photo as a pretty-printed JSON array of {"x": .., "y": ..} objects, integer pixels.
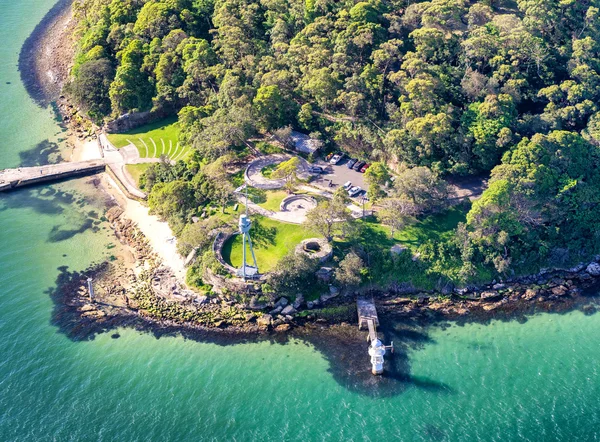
[{"x": 536, "y": 381}]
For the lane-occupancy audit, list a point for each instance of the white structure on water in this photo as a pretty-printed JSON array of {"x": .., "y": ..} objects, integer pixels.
[
  {"x": 367, "y": 316},
  {"x": 377, "y": 351},
  {"x": 245, "y": 225}
]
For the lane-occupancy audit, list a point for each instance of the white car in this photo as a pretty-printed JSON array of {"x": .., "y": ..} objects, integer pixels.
[
  {"x": 354, "y": 191},
  {"x": 336, "y": 159},
  {"x": 347, "y": 185}
]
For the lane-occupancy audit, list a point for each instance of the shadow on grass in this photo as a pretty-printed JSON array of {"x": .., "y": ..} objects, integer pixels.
[{"x": 152, "y": 126}]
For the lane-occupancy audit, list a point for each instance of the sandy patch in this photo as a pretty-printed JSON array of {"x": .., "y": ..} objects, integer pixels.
[
  {"x": 85, "y": 150},
  {"x": 158, "y": 232}
]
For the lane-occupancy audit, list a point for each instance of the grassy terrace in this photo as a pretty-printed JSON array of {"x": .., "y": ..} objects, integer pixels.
[
  {"x": 273, "y": 200},
  {"x": 136, "y": 171},
  {"x": 153, "y": 140},
  {"x": 272, "y": 240}
]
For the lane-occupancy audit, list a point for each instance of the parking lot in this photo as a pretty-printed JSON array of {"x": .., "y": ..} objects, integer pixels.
[{"x": 338, "y": 175}]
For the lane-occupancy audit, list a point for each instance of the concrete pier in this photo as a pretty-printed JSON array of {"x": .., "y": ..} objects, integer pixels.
[
  {"x": 367, "y": 318},
  {"x": 27, "y": 176},
  {"x": 366, "y": 311}
]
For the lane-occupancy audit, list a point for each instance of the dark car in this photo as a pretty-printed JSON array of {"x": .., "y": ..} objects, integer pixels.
[
  {"x": 351, "y": 162},
  {"x": 359, "y": 165},
  {"x": 316, "y": 169}
]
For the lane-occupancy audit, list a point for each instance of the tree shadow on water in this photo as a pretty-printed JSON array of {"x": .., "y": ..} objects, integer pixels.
[
  {"x": 44, "y": 153},
  {"x": 58, "y": 233},
  {"x": 343, "y": 346}
]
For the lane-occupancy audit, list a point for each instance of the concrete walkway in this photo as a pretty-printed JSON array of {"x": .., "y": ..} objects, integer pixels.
[
  {"x": 25, "y": 176},
  {"x": 113, "y": 159},
  {"x": 117, "y": 159}
]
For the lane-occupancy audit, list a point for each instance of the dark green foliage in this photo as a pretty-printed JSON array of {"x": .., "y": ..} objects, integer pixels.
[
  {"x": 89, "y": 89},
  {"x": 440, "y": 87},
  {"x": 294, "y": 274},
  {"x": 542, "y": 206},
  {"x": 448, "y": 84}
]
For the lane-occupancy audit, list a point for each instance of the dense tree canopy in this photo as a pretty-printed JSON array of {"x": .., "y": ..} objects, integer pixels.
[
  {"x": 542, "y": 204},
  {"x": 449, "y": 84},
  {"x": 433, "y": 88}
]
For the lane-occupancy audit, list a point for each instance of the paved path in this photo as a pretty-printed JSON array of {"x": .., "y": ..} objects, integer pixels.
[
  {"x": 24, "y": 176},
  {"x": 114, "y": 159}
]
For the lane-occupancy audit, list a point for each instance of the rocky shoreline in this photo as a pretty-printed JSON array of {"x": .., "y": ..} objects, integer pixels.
[
  {"x": 45, "y": 63},
  {"x": 150, "y": 291}
]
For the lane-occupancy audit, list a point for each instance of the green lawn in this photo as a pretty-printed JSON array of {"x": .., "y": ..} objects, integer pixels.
[
  {"x": 273, "y": 200},
  {"x": 153, "y": 140},
  {"x": 136, "y": 171},
  {"x": 272, "y": 240},
  {"x": 433, "y": 228}
]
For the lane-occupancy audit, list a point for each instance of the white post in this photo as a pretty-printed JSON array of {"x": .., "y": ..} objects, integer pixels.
[{"x": 90, "y": 288}]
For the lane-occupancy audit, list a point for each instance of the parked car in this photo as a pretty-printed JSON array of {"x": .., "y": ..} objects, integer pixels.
[
  {"x": 364, "y": 168},
  {"x": 358, "y": 165},
  {"x": 351, "y": 162},
  {"x": 354, "y": 191},
  {"x": 347, "y": 185},
  {"x": 336, "y": 158},
  {"x": 316, "y": 169}
]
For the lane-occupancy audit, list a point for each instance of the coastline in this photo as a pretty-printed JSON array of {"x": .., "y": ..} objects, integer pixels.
[
  {"x": 44, "y": 63},
  {"x": 148, "y": 239}
]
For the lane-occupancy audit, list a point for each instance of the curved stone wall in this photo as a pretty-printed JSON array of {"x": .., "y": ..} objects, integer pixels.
[{"x": 324, "y": 253}]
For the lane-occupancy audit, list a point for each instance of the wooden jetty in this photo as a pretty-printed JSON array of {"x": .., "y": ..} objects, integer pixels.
[{"x": 27, "y": 176}]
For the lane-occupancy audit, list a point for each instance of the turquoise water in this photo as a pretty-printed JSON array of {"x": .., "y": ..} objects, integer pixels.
[{"x": 536, "y": 381}]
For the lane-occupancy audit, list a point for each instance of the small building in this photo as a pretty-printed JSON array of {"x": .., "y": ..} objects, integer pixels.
[{"x": 305, "y": 144}]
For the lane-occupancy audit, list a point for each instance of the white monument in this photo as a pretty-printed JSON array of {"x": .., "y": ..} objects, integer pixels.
[{"x": 245, "y": 225}]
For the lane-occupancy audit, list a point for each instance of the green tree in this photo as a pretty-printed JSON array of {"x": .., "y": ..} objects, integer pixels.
[
  {"x": 294, "y": 273},
  {"x": 351, "y": 271},
  {"x": 424, "y": 189},
  {"x": 288, "y": 171},
  {"x": 396, "y": 213},
  {"x": 329, "y": 218},
  {"x": 89, "y": 89},
  {"x": 131, "y": 89},
  {"x": 271, "y": 108},
  {"x": 376, "y": 177}
]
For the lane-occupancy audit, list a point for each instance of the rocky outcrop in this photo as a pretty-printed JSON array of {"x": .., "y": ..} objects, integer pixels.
[{"x": 593, "y": 269}]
